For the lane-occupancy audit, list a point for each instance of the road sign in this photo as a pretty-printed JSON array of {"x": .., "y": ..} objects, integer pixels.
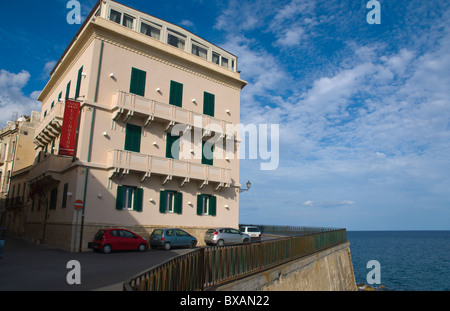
[{"x": 78, "y": 204}]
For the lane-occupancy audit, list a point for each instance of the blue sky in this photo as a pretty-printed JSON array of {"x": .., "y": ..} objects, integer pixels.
[{"x": 364, "y": 110}]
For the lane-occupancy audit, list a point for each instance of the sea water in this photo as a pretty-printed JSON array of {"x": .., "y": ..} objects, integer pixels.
[{"x": 409, "y": 260}]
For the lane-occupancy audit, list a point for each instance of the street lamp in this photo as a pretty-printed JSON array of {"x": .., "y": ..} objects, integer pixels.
[{"x": 249, "y": 184}]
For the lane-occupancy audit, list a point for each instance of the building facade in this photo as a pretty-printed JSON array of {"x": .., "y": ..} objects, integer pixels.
[
  {"x": 16, "y": 154},
  {"x": 157, "y": 135}
]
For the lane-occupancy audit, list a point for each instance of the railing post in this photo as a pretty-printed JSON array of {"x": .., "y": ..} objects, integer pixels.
[{"x": 202, "y": 269}]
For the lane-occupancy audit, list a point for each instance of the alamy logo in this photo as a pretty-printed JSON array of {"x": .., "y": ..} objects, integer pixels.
[
  {"x": 74, "y": 16},
  {"x": 262, "y": 142},
  {"x": 374, "y": 16},
  {"x": 74, "y": 275},
  {"x": 374, "y": 275}
]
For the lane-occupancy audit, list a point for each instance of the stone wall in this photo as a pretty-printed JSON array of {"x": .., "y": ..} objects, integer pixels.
[{"x": 328, "y": 270}]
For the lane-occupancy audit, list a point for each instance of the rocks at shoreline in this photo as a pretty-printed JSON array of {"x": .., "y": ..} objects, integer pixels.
[{"x": 368, "y": 288}]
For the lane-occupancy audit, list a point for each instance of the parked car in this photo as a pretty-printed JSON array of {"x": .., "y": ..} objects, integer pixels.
[
  {"x": 252, "y": 231},
  {"x": 107, "y": 240},
  {"x": 225, "y": 236},
  {"x": 171, "y": 237}
]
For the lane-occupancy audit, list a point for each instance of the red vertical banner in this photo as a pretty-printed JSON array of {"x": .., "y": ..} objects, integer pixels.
[{"x": 69, "y": 128}]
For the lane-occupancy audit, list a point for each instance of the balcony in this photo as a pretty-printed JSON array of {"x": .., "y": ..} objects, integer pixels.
[
  {"x": 50, "y": 126},
  {"x": 48, "y": 167},
  {"x": 122, "y": 162},
  {"x": 126, "y": 105}
]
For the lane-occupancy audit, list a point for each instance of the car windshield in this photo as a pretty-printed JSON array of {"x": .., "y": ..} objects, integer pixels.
[
  {"x": 157, "y": 232},
  {"x": 211, "y": 231},
  {"x": 99, "y": 235},
  {"x": 253, "y": 230}
]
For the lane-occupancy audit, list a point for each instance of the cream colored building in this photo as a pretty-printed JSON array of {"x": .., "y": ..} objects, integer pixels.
[
  {"x": 16, "y": 154},
  {"x": 138, "y": 79}
]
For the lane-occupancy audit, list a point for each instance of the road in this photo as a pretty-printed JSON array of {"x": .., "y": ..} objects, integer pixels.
[{"x": 26, "y": 266}]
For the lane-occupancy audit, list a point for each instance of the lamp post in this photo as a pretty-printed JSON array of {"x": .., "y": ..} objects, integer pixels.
[{"x": 249, "y": 184}]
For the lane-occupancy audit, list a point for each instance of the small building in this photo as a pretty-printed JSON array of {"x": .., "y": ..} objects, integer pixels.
[{"x": 157, "y": 137}]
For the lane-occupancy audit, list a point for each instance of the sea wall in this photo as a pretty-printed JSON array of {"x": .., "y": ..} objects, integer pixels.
[{"x": 328, "y": 270}]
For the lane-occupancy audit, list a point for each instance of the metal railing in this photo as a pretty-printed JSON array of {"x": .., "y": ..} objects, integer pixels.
[
  {"x": 288, "y": 230},
  {"x": 208, "y": 267}
]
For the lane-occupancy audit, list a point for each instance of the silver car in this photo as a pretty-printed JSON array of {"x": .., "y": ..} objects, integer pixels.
[{"x": 225, "y": 236}]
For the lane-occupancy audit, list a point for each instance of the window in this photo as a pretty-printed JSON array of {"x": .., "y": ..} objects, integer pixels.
[
  {"x": 208, "y": 104},
  {"x": 137, "y": 83},
  {"x": 206, "y": 205},
  {"x": 224, "y": 62},
  {"x": 59, "y": 96},
  {"x": 199, "y": 50},
  {"x": 128, "y": 21},
  {"x": 151, "y": 31},
  {"x": 171, "y": 202},
  {"x": 176, "y": 94},
  {"x": 215, "y": 58},
  {"x": 52, "y": 105},
  {"x": 133, "y": 138},
  {"x": 207, "y": 153},
  {"x": 115, "y": 16},
  {"x": 176, "y": 39},
  {"x": 172, "y": 147},
  {"x": 129, "y": 198},
  {"x": 53, "y": 197},
  {"x": 77, "y": 90},
  {"x": 127, "y": 234},
  {"x": 64, "y": 198}
]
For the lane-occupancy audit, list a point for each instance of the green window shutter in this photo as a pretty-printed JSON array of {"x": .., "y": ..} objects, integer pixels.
[
  {"x": 52, "y": 105},
  {"x": 59, "y": 96},
  {"x": 200, "y": 204},
  {"x": 162, "y": 202},
  {"x": 207, "y": 153},
  {"x": 133, "y": 138},
  {"x": 212, "y": 205},
  {"x": 68, "y": 90},
  {"x": 137, "y": 202},
  {"x": 208, "y": 104},
  {"x": 77, "y": 90},
  {"x": 176, "y": 94},
  {"x": 172, "y": 147},
  {"x": 178, "y": 203},
  {"x": 119, "y": 198},
  {"x": 137, "y": 84}
]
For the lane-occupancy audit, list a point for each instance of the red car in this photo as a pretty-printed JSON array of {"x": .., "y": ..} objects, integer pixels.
[{"x": 107, "y": 240}]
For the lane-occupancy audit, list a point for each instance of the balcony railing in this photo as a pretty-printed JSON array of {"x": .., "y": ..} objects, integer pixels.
[
  {"x": 50, "y": 125},
  {"x": 122, "y": 101},
  {"x": 133, "y": 161}
]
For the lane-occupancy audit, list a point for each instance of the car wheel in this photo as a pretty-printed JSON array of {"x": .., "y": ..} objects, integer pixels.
[
  {"x": 193, "y": 244},
  {"x": 107, "y": 249},
  {"x": 142, "y": 247},
  {"x": 167, "y": 246},
  {"x": 246, "y": 240},
  {"x": 220, "y": 243}
]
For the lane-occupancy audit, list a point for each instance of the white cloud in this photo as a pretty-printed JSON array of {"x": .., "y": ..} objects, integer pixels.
[
  {"x": 48, "y": 69},
  {"x": 12, "y": 98},
  {"x": 291, "y": 36}
]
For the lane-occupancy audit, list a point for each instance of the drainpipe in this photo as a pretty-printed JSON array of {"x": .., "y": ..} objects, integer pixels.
[{"x": 90, "y": 143}]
